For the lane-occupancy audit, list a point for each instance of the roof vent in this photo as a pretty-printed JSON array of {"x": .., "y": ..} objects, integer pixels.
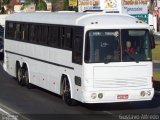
[
  {"x": 94, "y": 22},
  {"x": 139, "y": 21}
]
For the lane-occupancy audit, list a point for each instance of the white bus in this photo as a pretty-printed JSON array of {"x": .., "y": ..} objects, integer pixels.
[{"x": 81, "y": 56}]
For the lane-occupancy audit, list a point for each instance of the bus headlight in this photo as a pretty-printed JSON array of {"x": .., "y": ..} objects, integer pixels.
[
  {"x": 100, "y": 95},
  {"x": 145, "y": 93},
  {"x": 149, "y": 93},
  {"x": 93, "y": 95},
  {"x": 142, "y": 93}
]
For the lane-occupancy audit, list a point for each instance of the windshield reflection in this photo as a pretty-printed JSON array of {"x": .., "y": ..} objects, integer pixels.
[
  {"x": 135, "y": 45},
  {"x": 104, "y": 46}
]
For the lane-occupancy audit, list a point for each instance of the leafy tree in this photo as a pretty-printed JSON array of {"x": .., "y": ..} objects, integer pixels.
[
  {"x": 39, "y": 4},
  {"x": 53, "y": 2},
  {"x": 4, "y": 3}
]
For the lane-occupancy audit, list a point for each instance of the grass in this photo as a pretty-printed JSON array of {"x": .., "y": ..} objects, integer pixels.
[
  {"x": 156, "y": 52},
  {"x": 156, "y": 76},
  {"x": 156, "y": 57}
]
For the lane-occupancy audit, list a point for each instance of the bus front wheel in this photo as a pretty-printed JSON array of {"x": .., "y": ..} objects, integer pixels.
[{"x": 66, "y": 93}]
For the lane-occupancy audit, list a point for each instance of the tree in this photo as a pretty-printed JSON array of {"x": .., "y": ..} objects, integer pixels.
[
  {"x": 39, "y": 4},
  {"x": 4, "y": 3},
  {"x": 54, "y": 4},
  {"x": 61, "y": 5}
]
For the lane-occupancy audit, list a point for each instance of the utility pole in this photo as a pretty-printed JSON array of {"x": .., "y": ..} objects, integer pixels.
[
  {"x": 156, "y": 12},
  {"x": 0, "y": 5}
]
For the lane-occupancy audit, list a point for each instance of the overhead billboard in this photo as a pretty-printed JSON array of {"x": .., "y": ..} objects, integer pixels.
[
  {"x": 84, "y": 5},
  {"x": 72, "y": 2},
  {"x": 22, "y": 1},
  {"x": 107, "y": 5},
  {"x": 135, "y": 6},
  {"x": 159, "y": 4},
  {"x": 122, "y": 6},
  {"x": 110, "y": 5}
]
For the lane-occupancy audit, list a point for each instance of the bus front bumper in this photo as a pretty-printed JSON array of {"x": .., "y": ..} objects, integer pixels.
[{"x": 117, "y": 96}]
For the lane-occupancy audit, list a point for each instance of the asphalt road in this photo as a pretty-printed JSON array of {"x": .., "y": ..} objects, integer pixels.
[{"x": 38, "y": 104}]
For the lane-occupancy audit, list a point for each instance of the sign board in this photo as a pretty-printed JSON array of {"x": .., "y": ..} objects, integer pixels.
[
  {"x": 143, "y": 17},
  {"x": 22, "y": 1},
  {"x": 122, "y": 6},
  {"x": 138, "y": 8},
  {"x": 84, "y": 5},
  {"x": 106, "y": 5},
  {"x": 158, "y": 4},
  {"x": 135, "y": 6},
  {"x": 72, "y": 2},
  {"x": 110, "y": 5}
]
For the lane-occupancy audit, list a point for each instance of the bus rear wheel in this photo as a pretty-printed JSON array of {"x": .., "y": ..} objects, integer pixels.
[
  {"x": 26, "y": 78},
  {"x": 20, "y": 76},
  {"x": 66, "y": 93}
]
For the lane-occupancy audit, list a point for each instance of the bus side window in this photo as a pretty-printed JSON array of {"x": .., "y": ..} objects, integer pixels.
[
  {"x": 39, "y": 35},
  {"x": 77, "y": 46},
  {"x": 10, "y": 30},
  {"x": 22, "y": 35},
  {"x": 26, "y": 32},
  {"x": 17, "y": 33},
  {"x": 37, "y": 31},
  {"x": 45, "y": 35},
  {"x": 53, "y": 36},
  {"x": 31, "y": 33},
  {"x": 68, "y": 38},
  {"x": 61, "y": 37}
]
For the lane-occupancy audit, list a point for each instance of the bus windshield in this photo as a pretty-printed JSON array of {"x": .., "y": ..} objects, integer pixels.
[{"x": 103, "y": 46}]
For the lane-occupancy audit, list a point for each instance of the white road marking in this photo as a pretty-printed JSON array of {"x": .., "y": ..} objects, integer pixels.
[
  {"x": 108, "y": 112},
  {"x": 9, "y": 114}
]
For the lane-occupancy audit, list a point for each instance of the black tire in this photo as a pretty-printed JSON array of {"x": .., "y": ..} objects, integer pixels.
[
  {"x": 26, "y": 79},
  {"x": 19, "y": 73},
  {"x": 17, "y": 67},
  {"x": 66, "y": 93}
]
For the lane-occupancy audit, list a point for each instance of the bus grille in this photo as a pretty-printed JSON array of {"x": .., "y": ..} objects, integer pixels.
[{"x": 120, "y": 83}]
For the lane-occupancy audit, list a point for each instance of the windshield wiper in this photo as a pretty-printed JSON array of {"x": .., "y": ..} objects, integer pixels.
[
  {"x": 133, "y": 58},
  {"x": 108, "y": 59}
]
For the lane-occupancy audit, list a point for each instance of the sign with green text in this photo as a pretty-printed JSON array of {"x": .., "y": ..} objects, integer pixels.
[{"x": 143, "y": 17}]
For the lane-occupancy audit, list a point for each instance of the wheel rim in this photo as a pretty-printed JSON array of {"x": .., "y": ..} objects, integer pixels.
[{"x": 19, "y": 75}]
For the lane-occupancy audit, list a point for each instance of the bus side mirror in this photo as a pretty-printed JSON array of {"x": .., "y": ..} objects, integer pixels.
[{"x": 152, "y": 41}]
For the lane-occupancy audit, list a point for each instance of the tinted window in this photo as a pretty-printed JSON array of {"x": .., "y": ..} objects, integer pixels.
[
  {"x": 102, "y": 46},
  {"x": 135, "y": 45},
  {"x": 77, "y": 45}
]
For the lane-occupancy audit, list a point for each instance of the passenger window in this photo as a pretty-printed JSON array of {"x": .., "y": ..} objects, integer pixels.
[
  {"x": 31, "y": 33},
  {"x": 68, "y": 38},
  {"x": 77, "y": 46},
  {"x": 17, "y": 33}
]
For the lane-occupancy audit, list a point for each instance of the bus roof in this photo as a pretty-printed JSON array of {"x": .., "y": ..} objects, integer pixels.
[{"x": 78, "y": 19}]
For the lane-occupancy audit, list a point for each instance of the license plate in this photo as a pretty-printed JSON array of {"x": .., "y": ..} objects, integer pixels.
[{"x": 122, "y": 96}]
